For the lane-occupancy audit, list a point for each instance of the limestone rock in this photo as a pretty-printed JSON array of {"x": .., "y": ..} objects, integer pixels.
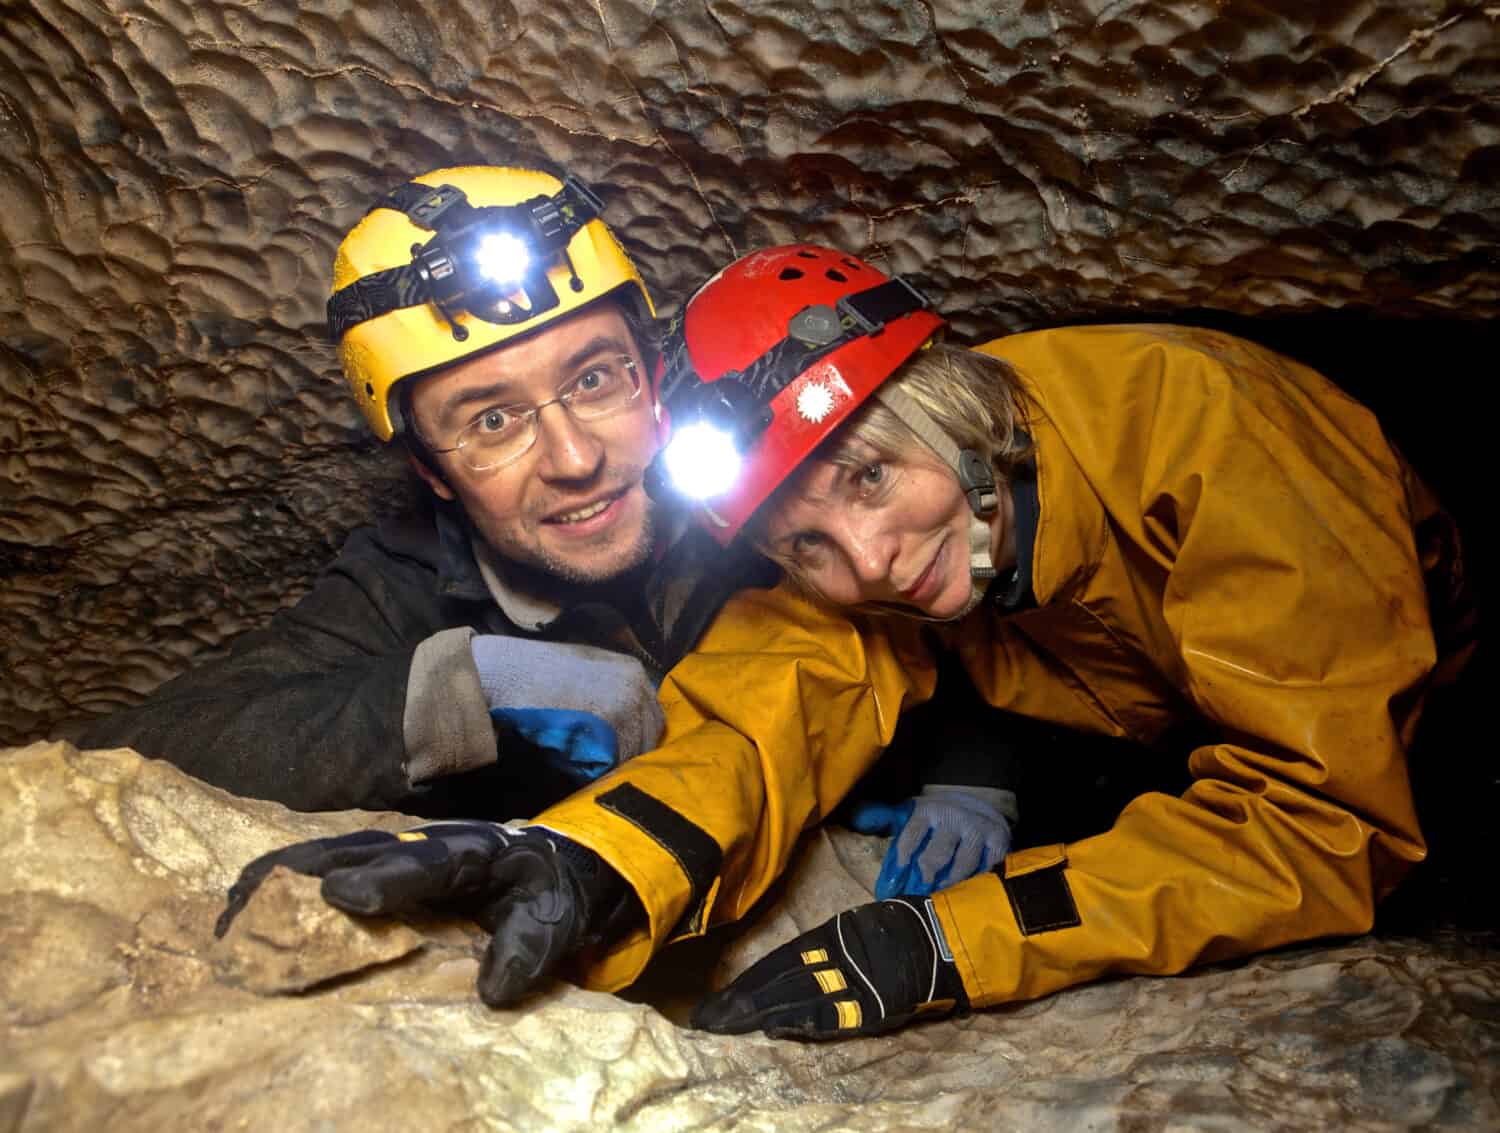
[
  {"x": 119, "y": 1012},
  {"x": 289, "y": 939}
]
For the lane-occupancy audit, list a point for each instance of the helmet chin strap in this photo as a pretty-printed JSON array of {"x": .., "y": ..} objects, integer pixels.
[{"x": 975, "y": 477}]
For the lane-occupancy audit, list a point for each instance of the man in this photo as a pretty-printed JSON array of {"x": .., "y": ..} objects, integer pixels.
[{"x": 490, "y": 652}]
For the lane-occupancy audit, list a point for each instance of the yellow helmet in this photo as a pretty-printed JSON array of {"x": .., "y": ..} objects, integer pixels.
[{"x": 458, "y": 261}]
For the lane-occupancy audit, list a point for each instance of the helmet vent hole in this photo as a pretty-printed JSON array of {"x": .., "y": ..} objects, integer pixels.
[
  {"x": 836, "y": 275},
  {"x": 850, "y": 264},
  {"x": 790, "y": 273},
  {"x": 370, "y": 391},
  {"x": 806, "y": 255}
]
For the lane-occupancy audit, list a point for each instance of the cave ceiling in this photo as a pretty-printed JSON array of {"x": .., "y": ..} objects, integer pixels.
[{"x": 178, "y": 455}]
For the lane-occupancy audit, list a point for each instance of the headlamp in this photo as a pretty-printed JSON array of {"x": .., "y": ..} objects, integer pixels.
[
  {"x": 490, "y": 262},
  {"x": 502, "y": 257},
  {"x": 715, "y": 423},
  {"x": 702, "y": 461},
  {"x": 713, "y": 426}
]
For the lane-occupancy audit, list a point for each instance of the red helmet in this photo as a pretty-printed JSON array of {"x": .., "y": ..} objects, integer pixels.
[{"x": 786, "y": 343}]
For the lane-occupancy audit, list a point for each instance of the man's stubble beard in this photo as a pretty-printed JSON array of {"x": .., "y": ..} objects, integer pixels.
[
  {"x": 531, "y": 551},
  {"x": 638, "y": 553}
]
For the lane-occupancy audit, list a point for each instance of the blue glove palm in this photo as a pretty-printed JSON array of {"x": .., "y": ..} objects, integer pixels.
[
  {"x": 941, "y": 837},
  {"x": 579, "y": 744}
]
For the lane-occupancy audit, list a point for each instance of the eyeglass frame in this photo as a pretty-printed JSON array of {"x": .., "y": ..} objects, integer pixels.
[{"x": 531, "y": 413}]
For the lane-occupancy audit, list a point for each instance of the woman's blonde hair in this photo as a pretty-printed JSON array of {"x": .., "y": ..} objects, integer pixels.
[{"x": 975, "y": 398}]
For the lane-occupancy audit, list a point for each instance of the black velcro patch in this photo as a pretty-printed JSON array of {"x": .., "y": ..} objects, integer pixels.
[
  {"x": 1042, "y": 901},
  {"x": 696, "y": 852}
]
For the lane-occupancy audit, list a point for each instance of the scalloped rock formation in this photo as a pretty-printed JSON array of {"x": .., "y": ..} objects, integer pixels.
[{"x": 178, "y": 455}]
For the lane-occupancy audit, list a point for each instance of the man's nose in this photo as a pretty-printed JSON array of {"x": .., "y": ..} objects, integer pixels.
[{"x": 568, "y": 451}]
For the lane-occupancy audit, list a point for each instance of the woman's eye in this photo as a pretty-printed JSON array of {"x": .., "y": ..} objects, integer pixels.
[
  {"x": 872, "y": 474},
  {"x": 802, "y": 544}
]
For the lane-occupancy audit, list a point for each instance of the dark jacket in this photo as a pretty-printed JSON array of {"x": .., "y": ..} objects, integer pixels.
[{"x": 364, "y": 694}]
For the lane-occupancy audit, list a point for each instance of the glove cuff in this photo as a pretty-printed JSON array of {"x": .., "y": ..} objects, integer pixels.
[
  {"x": 611, "y": 907},
  {"x": 998, "y": 798},
  {"x": 945, "y": 986}
]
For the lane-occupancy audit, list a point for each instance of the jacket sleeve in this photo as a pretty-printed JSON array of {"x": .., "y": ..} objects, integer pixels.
[
  {"x": 769, "y": 722},
  {"x": 1296, "y": 606},
  {"x": 313, "y": 709}
]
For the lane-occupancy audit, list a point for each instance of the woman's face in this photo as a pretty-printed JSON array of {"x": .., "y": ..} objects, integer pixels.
[{"x": 862, "y": 527}]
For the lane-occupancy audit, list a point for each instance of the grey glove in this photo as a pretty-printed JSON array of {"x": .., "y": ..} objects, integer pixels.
[
  {"x": 946, "y": 835},
  {"x": 516, "y": 672}
]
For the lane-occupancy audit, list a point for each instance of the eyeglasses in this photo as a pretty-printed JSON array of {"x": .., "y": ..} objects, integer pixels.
[{"x": 503, "y": 433}]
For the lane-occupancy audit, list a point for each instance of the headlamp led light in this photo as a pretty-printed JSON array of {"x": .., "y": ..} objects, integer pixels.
[
  {"x": 702, "y": 460},
  {"x": 713, "y": 426},
  {"x": 490, "y": 262},
  {"x": 502, "y": 257}
]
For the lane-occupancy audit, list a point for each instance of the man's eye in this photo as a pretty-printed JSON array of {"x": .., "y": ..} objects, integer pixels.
[
  {"x": 494, "y": 420},
  {"x": 600, "y": 383}
]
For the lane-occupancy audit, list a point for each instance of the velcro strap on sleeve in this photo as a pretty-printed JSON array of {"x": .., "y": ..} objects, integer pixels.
[
  {"x": 1042, "y": 900},
  {"x": 694, "y": 850}
]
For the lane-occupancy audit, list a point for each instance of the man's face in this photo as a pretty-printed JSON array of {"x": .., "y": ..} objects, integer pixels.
[{"x": 573, "y": 505}]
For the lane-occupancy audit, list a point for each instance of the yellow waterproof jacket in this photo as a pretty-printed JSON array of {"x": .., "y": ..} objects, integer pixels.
[{"x": 1223, "y": 536}]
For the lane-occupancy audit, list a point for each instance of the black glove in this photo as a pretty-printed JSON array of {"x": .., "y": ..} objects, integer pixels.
[
  {"x": 869, "y": 970},
  {"x": 542, "y": 896}
]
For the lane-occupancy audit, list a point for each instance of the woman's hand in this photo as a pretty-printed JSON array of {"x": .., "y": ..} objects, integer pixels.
[
  {"x": 542, "y": 896},
  {"x": 943, "y": 836}
]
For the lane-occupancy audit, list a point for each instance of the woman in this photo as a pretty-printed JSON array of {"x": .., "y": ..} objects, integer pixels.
[
  {"x": 1182, "y": 528},
  {"x": 1126, "y": 530}
]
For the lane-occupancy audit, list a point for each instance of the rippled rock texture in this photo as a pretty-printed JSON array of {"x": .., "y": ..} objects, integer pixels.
[
  {"x": 119, "y": 1011},
  {"x": 177, "y": 453}
]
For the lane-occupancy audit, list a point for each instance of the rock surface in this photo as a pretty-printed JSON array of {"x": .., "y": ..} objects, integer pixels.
[
  {"x": 178, "y": 456},
  {"x": 119, "y": 1011}
]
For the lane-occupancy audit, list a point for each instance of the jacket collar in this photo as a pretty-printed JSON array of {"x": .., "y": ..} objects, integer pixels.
[
  {"x": 458, "y": 574},
  {"x": 1014, "y": 593}
]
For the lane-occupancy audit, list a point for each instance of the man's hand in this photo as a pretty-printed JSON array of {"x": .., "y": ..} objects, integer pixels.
[
  {"x": 869, "y": 970},
  {"x": 519, "y": 675},
  {"x": 542, "y": 896},
  {"x": 579, "y": 744},
  {"x": 943, "y": 836}
]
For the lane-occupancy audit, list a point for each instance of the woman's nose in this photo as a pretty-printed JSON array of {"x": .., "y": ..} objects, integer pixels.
[{"x": 871, "y": 552}]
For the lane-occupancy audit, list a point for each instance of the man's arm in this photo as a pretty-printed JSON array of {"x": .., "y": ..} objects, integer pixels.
[{"x": 312, "y": 710}]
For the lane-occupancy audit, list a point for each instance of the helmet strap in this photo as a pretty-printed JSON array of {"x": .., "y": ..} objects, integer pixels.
[{"x": 975, "y": 477}]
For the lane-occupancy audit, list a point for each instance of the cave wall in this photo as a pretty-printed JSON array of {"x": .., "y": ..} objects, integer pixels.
[{"x": 178, "y": 454}]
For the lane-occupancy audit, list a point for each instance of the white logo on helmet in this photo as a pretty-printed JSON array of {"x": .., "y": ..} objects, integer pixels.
[{"x": 814, "y": 401}]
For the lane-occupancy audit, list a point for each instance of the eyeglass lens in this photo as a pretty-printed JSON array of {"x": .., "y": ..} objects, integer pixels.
[{"x": 503, "y": 433}]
